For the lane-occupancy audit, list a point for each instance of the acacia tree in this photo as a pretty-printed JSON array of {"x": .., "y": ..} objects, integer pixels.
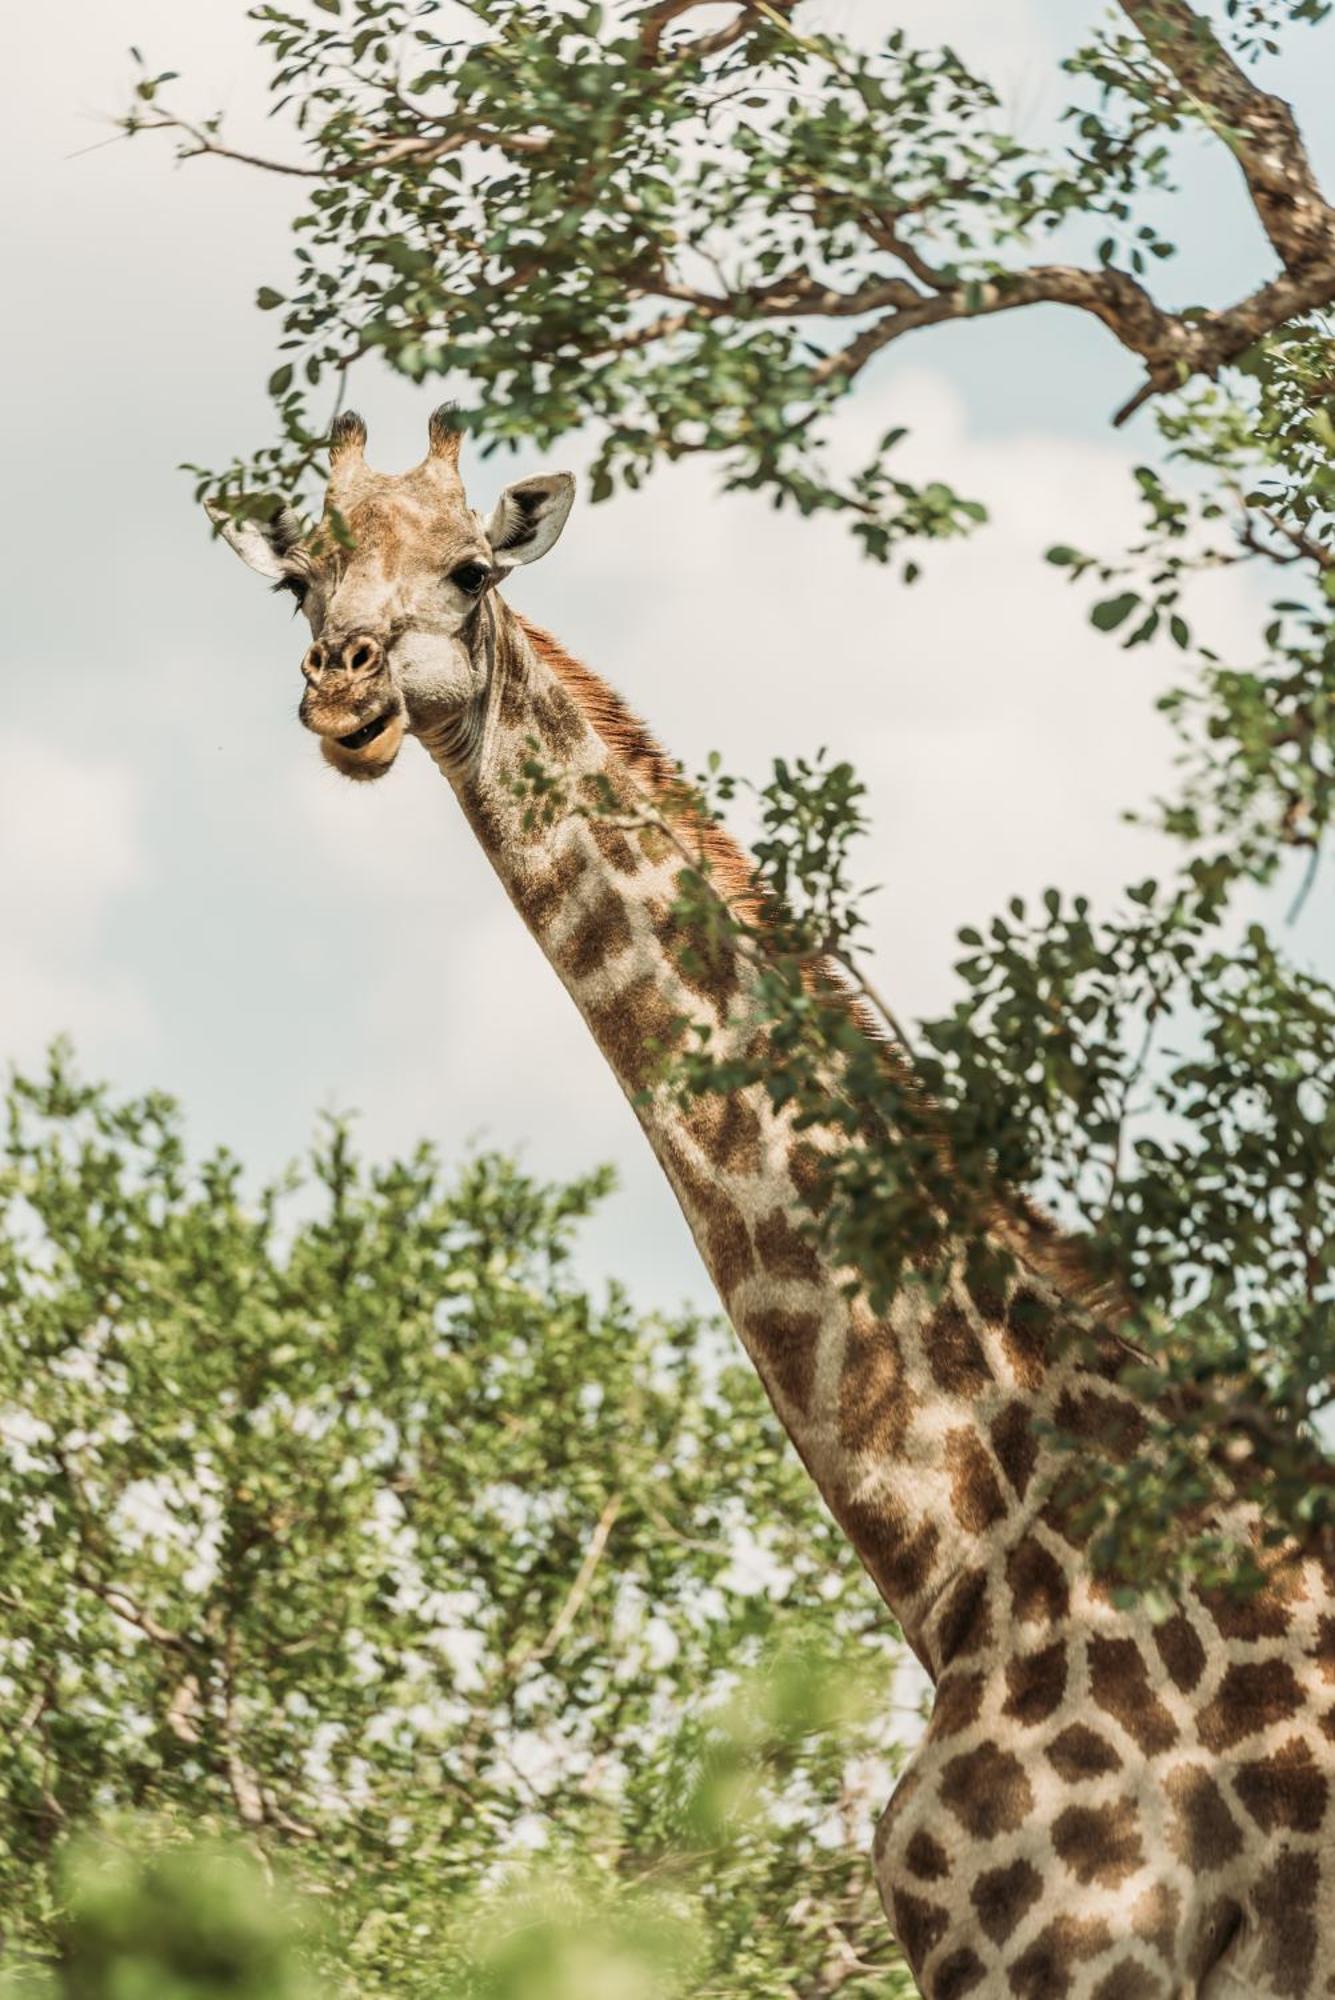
[
  {"x": 358, "y": 1531},
  {"x": 693, "y": 232}
]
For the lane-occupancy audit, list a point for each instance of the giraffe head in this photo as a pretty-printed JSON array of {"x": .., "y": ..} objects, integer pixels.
[{"x": 390, "y": 581}]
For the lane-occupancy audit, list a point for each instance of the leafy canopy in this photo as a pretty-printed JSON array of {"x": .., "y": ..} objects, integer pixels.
[{"x": 342, "y": 1518}]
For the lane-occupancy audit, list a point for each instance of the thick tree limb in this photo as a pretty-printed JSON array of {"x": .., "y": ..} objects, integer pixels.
[
  {"x": 1259, "y": 129},
  {"x": 655, "y": 21},
  {"x": 1200, "y": 74}
]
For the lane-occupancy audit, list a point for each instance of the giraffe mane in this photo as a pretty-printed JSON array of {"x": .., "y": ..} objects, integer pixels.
[{"x": 1025, "y": 1228}]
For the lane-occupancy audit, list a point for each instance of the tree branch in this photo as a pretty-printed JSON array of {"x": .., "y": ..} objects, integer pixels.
[
  {"x": 1170, "y": 344},
  {"x": 124, "y": 1607},
  {"x": 1260, "y": 130},
  {"x": 655, "y": 20},
  {"x": 1189, "y": 62},
  {"x": 579, "y": 1589}
]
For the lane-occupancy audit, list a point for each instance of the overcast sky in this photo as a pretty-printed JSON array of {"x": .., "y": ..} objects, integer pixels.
[{"x": 188, "y": 892}]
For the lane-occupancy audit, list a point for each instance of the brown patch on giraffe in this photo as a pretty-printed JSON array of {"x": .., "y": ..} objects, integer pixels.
[
  {"x": 539, "y": 895},
  {"x": 1060, "y": 1513},
  {"x": 486, "y": 820},
  {"x": 1035, "y": 1684},
  {"x": 1100, "y": 1844},
  {"x": 1155, "y": 1918},
  {"x": 634, "y": 1029},
  {"x": 783, "y": 1250},
  {"x": 558, "y": 720},
  {"x": 614, "y": 847},
  {"x": 1263, "y": 1615},
  {"x": 718, "y": 1221},
  {"x": 1284, "y": 1899},
  {"x": 989, "y": 1303},
  {"x": 1120, "y": 1684},
  {"x": 904, "y": 1793},
  {"x": 601, "y": 931},
  {"x": 957, "y": 1975},
  {"x": 787, "y": 1343},
  {"x": 728, "y": 1251},
  {"x": 1323, "y": 1652},
  {"x": 512, "y": 700},
  {"x": 987, "y": 1791},
  {"x": 1181, "y": 1650},
  {"x": 706, "y": 963},
  {"x": 898, "y": 1555},
  {"x": 1285, "y": 1789},
  {"x": 909, "y": 1785},
  {"x": 654, "y": 844},
  {"x": 875, "y": 1403},
  {"x": 1204, "y": 1833},
  {"x": 975, "y": 1494},
  {"x": 1003, "y": 1897},
  {"x": 1252, "y": 1695},
  {"x": 1040, "y": 1594},
  {"x": 964, "y": 1623},
  {"x": 959, "y": 1700},
  {"x": 926, "y": 1858},
  {"x": 1046, "y": 1971},
  {"x": 728, "y": 1131},
  {"x": 955, "y": 1353},
  {"x": 1100, "y": 1417},
  {"x": 1080, "y": 1752},
  {"x": 1130, "y": 1982},
  {"x": 1015, "y": 1445},
  {"x": 919, "y": 1925},
  {"x": 808, "y": 1168},
  {"x": 1026, "y": 1336}
]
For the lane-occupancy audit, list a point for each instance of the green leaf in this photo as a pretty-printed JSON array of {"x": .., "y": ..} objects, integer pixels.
[{"x": 1109, "y": 614}]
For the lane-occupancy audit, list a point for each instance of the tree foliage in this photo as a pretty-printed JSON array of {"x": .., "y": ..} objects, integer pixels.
[
  {"x": 339, "y": 1519},
  {"x": 693, "y": 233},
  {"x": 698, "y": 241}
]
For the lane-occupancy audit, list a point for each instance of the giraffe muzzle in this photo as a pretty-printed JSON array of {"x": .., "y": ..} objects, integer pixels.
[
  {"x": 357, "y": 739},
  {"x": 358, "y": 716}
]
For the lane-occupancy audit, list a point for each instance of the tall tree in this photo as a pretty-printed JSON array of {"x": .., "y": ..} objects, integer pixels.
[
  {"x": 345, "y": 1522},
  {"x": 694, "y": 234}
]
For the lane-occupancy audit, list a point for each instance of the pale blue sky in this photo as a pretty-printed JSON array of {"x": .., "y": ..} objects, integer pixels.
[{"x": 183, "y": 886}]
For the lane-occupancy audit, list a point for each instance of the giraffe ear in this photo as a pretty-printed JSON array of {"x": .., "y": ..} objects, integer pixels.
[
  {"x": 260, "y": 544},
  {"x": 528, "y": 518}
]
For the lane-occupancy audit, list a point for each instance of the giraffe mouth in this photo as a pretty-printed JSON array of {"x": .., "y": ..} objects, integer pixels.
[{"x": 359, "y": 738}]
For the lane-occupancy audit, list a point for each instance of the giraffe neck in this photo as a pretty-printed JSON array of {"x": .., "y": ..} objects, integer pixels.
[{"x": 918, "y": 1426}]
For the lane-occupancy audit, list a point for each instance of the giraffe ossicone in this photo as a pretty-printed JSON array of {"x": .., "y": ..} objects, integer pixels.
[{"x": 1110, "y": 1803}]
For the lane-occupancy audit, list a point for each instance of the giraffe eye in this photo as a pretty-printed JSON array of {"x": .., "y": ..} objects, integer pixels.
[
  {"x": 296, "y": 586},
  {"x": 470, "y": 577}
]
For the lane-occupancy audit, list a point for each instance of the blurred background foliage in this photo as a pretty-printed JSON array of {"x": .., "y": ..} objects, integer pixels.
[{"x": 496, "y": 1621}]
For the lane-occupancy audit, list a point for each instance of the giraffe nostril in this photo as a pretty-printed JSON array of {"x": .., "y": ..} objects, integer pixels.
[
  {"x": 362, "y": 655},
  {"x": 314, "y": 661}
]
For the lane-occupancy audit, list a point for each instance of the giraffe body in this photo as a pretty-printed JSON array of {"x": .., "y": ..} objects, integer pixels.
[{"x": 1103, "y": 1808}]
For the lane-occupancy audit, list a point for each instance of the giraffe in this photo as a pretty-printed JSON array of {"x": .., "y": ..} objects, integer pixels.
[{"x": 1109, "y": 1803}]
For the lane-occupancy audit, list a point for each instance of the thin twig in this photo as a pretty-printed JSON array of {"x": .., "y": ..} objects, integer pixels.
[{"x": 580, "y": 1588}]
